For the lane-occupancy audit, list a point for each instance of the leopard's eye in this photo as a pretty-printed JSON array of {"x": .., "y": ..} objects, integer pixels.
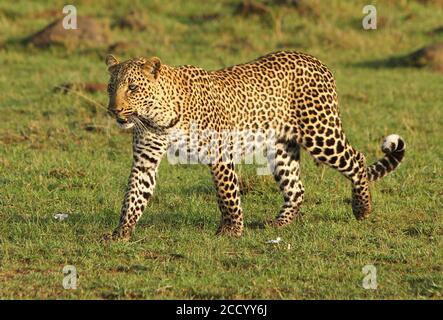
[{"x": 132, "y": 87}]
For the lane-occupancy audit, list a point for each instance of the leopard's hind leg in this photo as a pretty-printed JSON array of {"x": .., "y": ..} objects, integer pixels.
[
  {"x": 334, "y": 150},
  {"x": 285, "y": 166}
]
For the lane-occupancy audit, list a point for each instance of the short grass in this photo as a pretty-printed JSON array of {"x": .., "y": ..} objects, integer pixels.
[{"x": 60, "y": 153}]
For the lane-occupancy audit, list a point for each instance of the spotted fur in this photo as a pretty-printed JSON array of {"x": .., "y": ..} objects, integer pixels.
[{"x": 291, "y": 93}]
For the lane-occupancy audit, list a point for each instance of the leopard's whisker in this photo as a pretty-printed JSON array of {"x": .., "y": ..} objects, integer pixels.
[{"x": 140, "y": 125}]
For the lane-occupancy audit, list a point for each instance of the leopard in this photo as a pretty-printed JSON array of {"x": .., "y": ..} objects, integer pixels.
[{"x": 290, "y": 93}]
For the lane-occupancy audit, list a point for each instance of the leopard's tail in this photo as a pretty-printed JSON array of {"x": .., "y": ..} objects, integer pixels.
[{"x": 394, "y": 149}]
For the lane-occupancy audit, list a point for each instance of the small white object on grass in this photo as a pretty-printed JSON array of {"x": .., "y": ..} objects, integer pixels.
[
  {"x": 278, "y": 240},
  {"x": 60, "y": 216}
]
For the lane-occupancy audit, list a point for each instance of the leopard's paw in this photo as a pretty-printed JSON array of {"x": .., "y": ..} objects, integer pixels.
[
  {"x": 281, "y": 222},
  {"x": 275, "y": 223},
  {"x": 116, "y": 235},
  {"x": 232, "y": 230},
  {"x": 360, "y": 209}
]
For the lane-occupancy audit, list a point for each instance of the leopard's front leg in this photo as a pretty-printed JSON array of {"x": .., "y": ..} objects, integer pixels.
[
  {"x": 148, "y": 151},
  {"x": 228, "y": 196}
]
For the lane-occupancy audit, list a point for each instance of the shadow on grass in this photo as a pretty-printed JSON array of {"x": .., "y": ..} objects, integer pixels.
[
  {"x": 405, "y": 61},
  {"x": 177, "y": 219},
  {"x": 430, "y": 57},
  {"x": 257, "y": 225},
  {"x": 268, "y": 223}
]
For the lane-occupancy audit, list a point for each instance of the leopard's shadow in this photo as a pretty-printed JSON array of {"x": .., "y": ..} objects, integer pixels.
[
  {"x": 256, "y": 225},
  {"x": 180, "y": 218}
]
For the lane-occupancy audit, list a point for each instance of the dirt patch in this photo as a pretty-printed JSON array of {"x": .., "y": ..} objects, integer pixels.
[
  {"x": 286, "y": 2},
  {"x": 12, "y": 138},
  {"x": 122, "y": 47},
  {"x": 52, "y": 13},
  {"x": 133, "y": 21},
  {"x": 437, "y": 3},
  {"x": 90, "y": 32},
  {"x": 310, "y": 8},
  {"x": 248, "y": 7},
  {"x": 356, "y": 96},
  {"x": 430, "y": 57}
]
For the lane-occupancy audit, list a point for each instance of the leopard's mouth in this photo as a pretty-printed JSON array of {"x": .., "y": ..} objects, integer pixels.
[{"x": 125, "y": 123}]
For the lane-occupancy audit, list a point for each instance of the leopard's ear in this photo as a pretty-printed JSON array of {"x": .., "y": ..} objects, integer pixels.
[
  {"x": 111, "y": 61},
  {"x": 151, "y": 66}
]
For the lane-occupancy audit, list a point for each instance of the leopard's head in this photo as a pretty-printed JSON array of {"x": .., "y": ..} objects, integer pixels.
[{"x": 136, "y": 97}]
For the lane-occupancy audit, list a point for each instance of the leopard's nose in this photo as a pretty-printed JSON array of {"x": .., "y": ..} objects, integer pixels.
[{"x": 114, "y": 111}]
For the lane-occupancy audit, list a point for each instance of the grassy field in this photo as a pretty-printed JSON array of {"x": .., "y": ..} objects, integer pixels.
[{"x": 60, "y": 153}]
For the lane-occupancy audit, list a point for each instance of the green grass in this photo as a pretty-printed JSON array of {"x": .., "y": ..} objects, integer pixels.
[{"x": 60, "y": 153}]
